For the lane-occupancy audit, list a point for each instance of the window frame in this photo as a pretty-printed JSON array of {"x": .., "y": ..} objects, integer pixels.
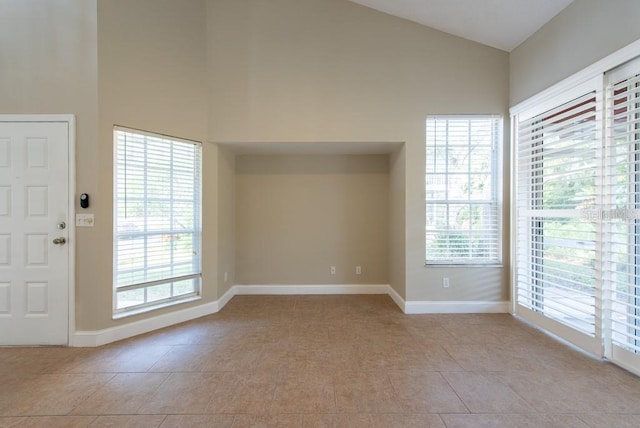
[
  {"x": 172, "y": 231},
  {"x": 495, "y": 201}
]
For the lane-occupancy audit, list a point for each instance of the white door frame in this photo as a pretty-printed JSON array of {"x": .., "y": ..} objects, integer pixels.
[{"x": 70, "y": 120}]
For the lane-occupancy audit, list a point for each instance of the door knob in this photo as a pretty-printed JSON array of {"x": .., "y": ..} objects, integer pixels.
[{"x": 59, "y": 241}]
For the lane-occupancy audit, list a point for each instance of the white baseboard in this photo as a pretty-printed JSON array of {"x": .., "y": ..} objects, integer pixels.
[
  {"x": 113, "y": 334},
  {"x": 240, "y": 290},
  {"x": 397, "y": 299},
  {"x": 225, "y": 298},
  {"x": 455, "y": 307}
]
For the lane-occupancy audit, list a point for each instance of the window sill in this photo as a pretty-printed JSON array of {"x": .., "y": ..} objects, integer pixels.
[
  {"x": 138, "y": 311},
  {"x": 464, "y": 265}
]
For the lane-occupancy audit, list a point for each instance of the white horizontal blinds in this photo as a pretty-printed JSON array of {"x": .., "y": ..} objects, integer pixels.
[
  {"x": 157, "y": 219},
  {"x": 622, "y": 211},
  {"x": 556, "y": 182},
  {"x": 462, "y": 215}
]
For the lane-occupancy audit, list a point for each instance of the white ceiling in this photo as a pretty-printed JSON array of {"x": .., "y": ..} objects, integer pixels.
[{"x": 503, "y": 24}]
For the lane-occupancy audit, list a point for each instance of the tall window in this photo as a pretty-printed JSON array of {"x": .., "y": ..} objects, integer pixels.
[
  {"x": 622, "y": 201},
  {"x": 558, "y": 166},
  {"x": 157, "y": 225},
  {"x": 461, "y": 188},
  {"x": 577, "y": 186}
]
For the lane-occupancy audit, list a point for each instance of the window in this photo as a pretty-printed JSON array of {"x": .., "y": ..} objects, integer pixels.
[
  {"x": 557, "y": 182},
  {"x": 577, "y": 191},
  {"x": 157, "y": 224},
  {"x": 461, "y": 188},
  {"x": 622, "y": 202}
]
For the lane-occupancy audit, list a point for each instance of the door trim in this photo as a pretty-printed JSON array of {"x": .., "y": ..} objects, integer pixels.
[{"x": 70, "y": 120}]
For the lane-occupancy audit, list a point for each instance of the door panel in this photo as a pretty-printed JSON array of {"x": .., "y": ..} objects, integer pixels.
[
  {"x": 557, "y": 249},
  {"x": 34, "y": 200}
]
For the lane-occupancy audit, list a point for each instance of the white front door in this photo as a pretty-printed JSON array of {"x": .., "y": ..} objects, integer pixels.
[{"x": 34, "y": 222}]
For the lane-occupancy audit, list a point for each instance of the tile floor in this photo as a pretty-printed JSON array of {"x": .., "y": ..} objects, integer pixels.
[{"x": 319, "y": 361}]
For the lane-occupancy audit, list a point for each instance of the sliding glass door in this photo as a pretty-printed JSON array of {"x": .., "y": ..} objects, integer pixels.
[
  {"x": 622, "y": 189},
  {"x": 556, "y": 245},
  {"x": 577, "y": 187}
]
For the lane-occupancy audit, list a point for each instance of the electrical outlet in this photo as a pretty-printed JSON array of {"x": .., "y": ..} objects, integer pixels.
[
  {"x": 226, "y": 276},
  {"x": 333, "y": 270},
  {"x": 445, "y": 282},
  {"x": 358, "y": 270}
]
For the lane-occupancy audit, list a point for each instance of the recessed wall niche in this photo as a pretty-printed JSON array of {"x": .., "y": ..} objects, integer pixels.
[{"x": 298, "y": 214}]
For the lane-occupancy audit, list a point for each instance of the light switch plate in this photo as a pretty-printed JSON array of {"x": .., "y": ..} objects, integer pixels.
[{"x": 84, "y": 220}]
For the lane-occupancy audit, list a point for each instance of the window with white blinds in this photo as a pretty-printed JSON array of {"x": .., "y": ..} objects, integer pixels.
[
  {"x": 578, "y": 214},
  {"x": 622, "y": 209},
  {"x": 461, "y": 190},
  {"x": 157, "y": 220},
  {"x": 557, "y": 181}
]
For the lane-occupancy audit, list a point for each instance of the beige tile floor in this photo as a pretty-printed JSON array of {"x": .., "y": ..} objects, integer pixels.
[{"x": 320, "y": 361}]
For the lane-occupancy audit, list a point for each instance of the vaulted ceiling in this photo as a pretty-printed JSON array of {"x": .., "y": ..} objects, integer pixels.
[{"x": 502, "y": 24}]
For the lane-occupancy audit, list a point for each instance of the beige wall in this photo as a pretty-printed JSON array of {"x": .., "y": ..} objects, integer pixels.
[
  {"x": 243, "y": 71},
  {"x": 331, "y": 70},
  {"x": 49, "y": 65},
  {"x": 583, "y": 33},
  {"x": 151, "y": 76},
  {"x": 397, "y": 213},
  {"x": 297, "y": 215},
  {"x": 275, "y": 71},
  {"x": 226, "y": 209}
]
